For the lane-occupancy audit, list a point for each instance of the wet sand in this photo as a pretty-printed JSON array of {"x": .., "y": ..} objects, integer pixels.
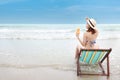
[{"x": 57, "y": 55}]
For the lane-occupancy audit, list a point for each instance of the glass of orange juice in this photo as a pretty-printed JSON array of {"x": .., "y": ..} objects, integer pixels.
[{"x": 78, "y": 31}]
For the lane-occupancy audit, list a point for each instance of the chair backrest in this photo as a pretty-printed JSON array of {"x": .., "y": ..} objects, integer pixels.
[{"x": 93, "y": 56}]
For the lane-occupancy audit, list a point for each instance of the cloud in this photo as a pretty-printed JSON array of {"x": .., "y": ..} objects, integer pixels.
[
  {"x": 2, "y": 2},
  {"x": 24, "y": 10},
  {"x": 116, "y": 8},
  {"x": 75, "y": 8}
]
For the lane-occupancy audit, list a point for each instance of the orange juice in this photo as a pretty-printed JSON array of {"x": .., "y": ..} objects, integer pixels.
[{"x": 78, "y": 31}]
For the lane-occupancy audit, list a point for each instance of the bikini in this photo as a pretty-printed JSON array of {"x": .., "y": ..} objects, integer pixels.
[{"x": 91, "y": 42}]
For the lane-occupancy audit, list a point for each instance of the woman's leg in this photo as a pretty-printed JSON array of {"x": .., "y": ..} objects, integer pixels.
[{"x": 77, "y": 51}]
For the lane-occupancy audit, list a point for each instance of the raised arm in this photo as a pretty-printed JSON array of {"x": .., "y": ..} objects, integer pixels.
[{"x": 83, "y": 43}]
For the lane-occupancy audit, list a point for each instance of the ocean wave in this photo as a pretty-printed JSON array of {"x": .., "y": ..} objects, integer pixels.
[
  {"x": 33, "y": 38},
  {"x": 53, "y": 37},
  {"x": 36, "y": 34},
  {"x": 63, "y": 67},
  {"x": 37, "y": 31},
  {"x": 32, "y": 66},
  {"x": 49, "y": 34}
]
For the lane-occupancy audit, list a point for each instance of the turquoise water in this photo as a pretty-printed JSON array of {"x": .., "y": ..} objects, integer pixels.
[
  {"x": 54, "y": 31},
  {"x": 32, "y": 46}
]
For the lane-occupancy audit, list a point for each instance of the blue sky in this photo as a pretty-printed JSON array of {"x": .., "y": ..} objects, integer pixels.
[{"x": 59, "y": 11}]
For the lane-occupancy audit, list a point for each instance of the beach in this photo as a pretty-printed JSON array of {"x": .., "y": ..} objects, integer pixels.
[{"x": 46, "y": 52}]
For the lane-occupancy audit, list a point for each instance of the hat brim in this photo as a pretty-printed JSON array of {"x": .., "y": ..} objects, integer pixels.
[{"x": 90, "y": 24}]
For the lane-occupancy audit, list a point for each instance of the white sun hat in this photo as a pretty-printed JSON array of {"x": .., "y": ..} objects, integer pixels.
[{"x": 91, "y": 22}]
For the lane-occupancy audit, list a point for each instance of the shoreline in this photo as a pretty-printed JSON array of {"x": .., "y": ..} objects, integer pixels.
[{"x": 30, "y": 54}]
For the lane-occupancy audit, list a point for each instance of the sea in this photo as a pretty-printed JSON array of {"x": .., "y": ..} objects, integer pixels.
[
  {"x": 52, "y": 46},
  {"x": 53, "y": 31}
]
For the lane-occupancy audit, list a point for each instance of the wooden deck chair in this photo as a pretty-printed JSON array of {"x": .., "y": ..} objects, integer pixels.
[{"x": 94, "y": 56}]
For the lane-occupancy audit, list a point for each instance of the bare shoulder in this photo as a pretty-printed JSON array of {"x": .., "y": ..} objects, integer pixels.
[
  {"x": 97, "y": 32},
  {"x": 85, "y": 33}
]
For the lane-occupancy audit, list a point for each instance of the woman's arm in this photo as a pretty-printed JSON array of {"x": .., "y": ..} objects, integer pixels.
[{"x": 81, "y": 42}]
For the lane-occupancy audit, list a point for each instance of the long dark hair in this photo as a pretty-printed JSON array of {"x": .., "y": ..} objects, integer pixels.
[{"x": 91, "y": 30}]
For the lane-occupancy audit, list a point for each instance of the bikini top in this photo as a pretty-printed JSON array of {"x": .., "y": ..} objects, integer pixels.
[{"x": 91, "y": 43}]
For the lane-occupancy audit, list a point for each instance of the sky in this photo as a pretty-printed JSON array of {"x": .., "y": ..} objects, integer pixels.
[{"x": 59, "y": 11}]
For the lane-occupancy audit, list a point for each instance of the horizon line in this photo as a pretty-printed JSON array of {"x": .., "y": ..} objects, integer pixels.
[{"x": 58, "y": 23}]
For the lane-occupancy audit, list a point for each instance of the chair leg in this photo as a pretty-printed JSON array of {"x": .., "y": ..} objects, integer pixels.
[
  {"x": 108, "y": 72},
  {"x": 78, "y": 68},
  {"x": 103, "y": 71}
]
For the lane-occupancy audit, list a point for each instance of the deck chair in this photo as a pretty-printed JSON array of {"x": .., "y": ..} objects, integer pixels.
[{"x": 94, "y": 56}]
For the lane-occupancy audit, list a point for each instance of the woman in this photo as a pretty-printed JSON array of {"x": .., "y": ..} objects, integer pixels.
[{"x": 89, "y": 37}]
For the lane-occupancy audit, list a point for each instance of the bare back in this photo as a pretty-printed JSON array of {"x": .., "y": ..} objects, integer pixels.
[{"x": 89, "y": 39}]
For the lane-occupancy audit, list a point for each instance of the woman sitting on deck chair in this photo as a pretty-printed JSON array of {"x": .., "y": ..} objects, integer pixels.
[{"x": 89, "y": 37}]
